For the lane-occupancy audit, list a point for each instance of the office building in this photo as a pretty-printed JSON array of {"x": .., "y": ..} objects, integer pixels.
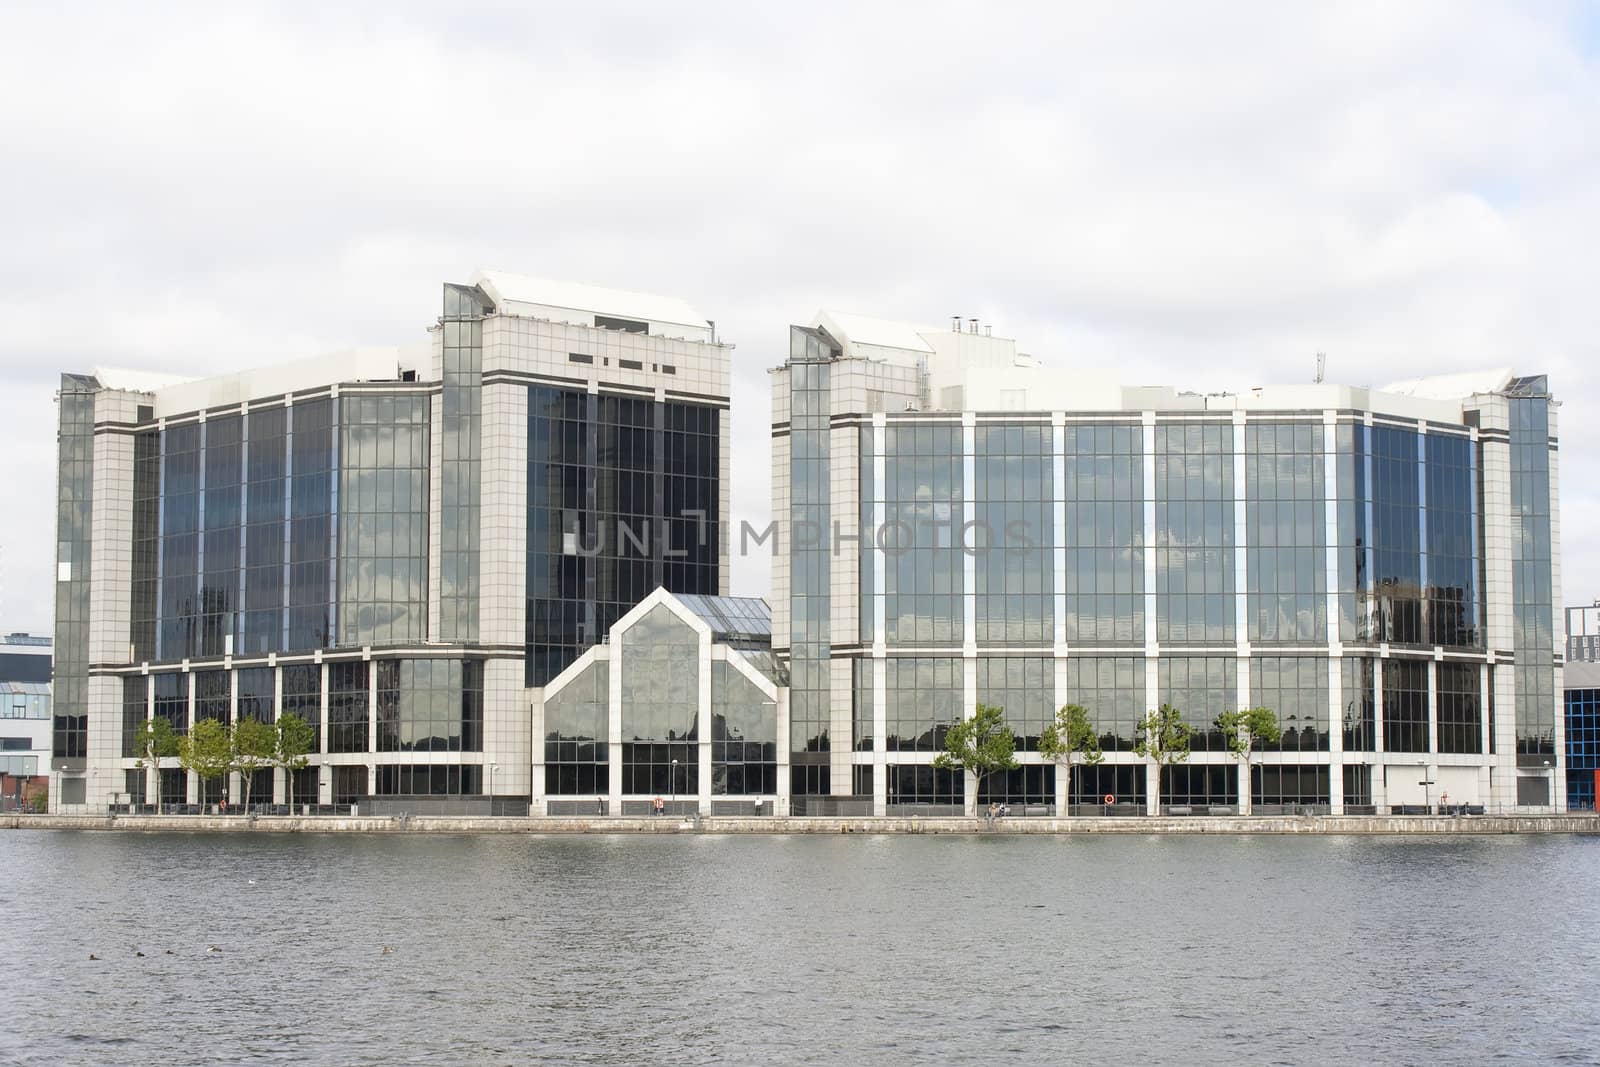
[
  {"x": 400, "y": 545},
  {"x": 1583, "y": 634},
  {"x": 24, "y": 719},
  {"x": 962, "y": 524}
]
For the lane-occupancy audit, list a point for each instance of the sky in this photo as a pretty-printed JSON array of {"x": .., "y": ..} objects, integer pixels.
[{"x": 1197, "y": 195}]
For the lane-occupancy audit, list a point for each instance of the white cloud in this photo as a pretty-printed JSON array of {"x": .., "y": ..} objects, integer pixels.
[{"x": 1204, "y": 195}]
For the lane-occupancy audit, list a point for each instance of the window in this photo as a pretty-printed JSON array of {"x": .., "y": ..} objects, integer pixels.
[
  {"x": 1105, "y": 533},
  {"x": 347, "y": 707},
  {"x": 576, "y": 725},
  {"x": 1194, "y": 533},
  {"x": 630, "y": 364},
  {"x": 1405, "y": 705},
  {"x": 611, "y": 322},
  {"x": 579, "y": 357}
]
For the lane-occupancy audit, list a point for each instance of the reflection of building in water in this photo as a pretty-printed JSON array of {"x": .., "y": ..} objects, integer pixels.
[{"x": 1377, "y": 566}]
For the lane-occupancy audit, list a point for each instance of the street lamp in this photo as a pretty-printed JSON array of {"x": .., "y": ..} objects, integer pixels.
[
  {"x": 672, "y": 786},
  {"x": 1427, "y": 803},
  {"x": 1550, "y": 786},
  {"x": 491, "y": 787}
]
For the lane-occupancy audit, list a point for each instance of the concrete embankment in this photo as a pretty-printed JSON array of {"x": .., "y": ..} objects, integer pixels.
[{"x": 1313, "y": 824}]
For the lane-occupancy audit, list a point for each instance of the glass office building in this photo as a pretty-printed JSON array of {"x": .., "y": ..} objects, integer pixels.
[
  {"x": 960, "y": 524},
  {"x": 1583, "y": 733},
  {"x": 400, "y": 545}
]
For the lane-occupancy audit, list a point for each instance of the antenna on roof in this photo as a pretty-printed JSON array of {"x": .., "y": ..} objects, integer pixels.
[
  {"x": 1322, "y": 364},
  {"x": 955, "y": 323}
]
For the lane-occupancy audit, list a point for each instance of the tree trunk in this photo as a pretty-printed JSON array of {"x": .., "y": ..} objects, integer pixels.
[{"x": 1244, "y": 786}]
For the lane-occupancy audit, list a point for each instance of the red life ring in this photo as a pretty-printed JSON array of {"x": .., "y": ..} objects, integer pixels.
[{"x": 1110, "y": 799}]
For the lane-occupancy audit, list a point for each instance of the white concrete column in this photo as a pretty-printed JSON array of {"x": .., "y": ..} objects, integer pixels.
[
  {"x": 324, "y": 772},
  {"x": 192, "y": 790},
  {"x": 1152, "y": 648},
  {"x": 703, "y": 727},
  {"x": 614, "y": 731},
  {"x": 785, "y": 783},
  {"x": 880, "y": 729},
  {"x": 1335, "y": 757}
]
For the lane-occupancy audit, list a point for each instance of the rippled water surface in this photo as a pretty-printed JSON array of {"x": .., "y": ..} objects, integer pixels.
[{"x": 646, "y": 950}]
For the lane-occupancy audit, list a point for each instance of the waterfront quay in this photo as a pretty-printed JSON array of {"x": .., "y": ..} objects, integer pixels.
[{"x": 483, "y": 824}]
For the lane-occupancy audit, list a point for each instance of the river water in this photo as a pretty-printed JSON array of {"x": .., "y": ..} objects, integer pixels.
[{"x": 798, "y": 949}]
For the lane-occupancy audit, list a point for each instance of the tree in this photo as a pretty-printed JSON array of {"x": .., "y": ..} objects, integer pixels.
[
  {"x": 254, "y": 745},
  {"x": 155, "y": 742},
  {"x": 982, "y": 744},
  {"x": 1163, "y": 738},
  {"x": 207, "y": 750},
  {"x": 1071, "y": 736},
  {"x": 294, "y": 739},
  {"x": 1242, "y": 729}
]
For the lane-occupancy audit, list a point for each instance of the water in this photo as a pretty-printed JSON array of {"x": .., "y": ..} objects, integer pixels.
[{"x": 826, "y": 949}]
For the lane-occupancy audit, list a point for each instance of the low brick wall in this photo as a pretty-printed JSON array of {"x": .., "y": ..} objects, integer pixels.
[{"x": 1313, "y": 824}]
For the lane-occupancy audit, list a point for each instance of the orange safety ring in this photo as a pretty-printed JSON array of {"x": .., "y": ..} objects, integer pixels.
[{"x": 1110, "y": 799}]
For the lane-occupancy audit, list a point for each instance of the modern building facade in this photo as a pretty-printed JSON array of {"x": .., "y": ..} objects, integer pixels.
[
  {"x": 680, "y": 704},
  {"x": 961, "y": 524},
  {"x": 400, "y": 545},
  {"x": 1583, "y": 634},
  {"x": 25, "y": 722},
  {"x": 1583, "y": 733}
]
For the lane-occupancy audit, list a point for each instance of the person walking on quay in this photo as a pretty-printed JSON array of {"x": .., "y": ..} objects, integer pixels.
[{"x": 660, "y": 805}]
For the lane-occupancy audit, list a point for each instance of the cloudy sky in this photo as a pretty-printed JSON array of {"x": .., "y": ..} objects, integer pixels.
[{"x": 1203, "y": 195}]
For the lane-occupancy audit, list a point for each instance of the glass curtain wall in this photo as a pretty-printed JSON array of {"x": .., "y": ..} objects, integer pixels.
[
  {"x": 74, "y": 493},
  {"x": 1105, "y": 532},
  {"x": 576, "y": 723},
  {"x": 810, "y": 639},
  {"x": 660, "y": 705},
  {"x": 921, "y": 536},
  {"x": 1285, "y": 513},
  {"x": 622, "y": 498},
  {"x": 1194, "y": 533},
  {"x": 1532, "y": 612},
  {"x": 461, "y": 405},
  {"x": 744, "y": 735},
  {"x": 1015, "y": 535},
  {"x": 383, "y": 519}
]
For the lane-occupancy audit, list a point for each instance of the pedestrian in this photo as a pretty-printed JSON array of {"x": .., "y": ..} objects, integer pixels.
[
  {"x": 599, "y": 805},
  {"x": 660, "y": 805}
]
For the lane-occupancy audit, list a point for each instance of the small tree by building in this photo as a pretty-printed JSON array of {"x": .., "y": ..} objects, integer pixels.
[
  {"x": 155, "y": 741},
  {"x": 1162, "y": 737},
  {"x": 1242, "y": 729},
  {"x": 292, "y": 747},
  {"x": 254, "y": 745},
  {"x": 982, "y": 745},
  {"x": 207, "y": 750},
  {"x": 1071, "y": 738}
]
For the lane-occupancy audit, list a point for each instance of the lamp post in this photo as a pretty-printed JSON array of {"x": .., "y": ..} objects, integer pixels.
[
  {"x": 672, "y": 786},
  {"x": 1550, "y": 786},
  {"x": 491, "y": 787},
  {"x": 1427, "y": 802}
]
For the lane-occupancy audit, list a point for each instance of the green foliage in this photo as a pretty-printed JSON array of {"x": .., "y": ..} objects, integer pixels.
[
  {"x": 254, "y": 744},
  {"x": 1071, "y": 738},
  {"x": 294, "y": 739},
  {"x": 1163, "y": 736},
  {"x": 1243, "y": 728},
  {"x": 1070, "y": 734},
  {"x": 155, "y": 742},
  {"x": 982, "y": 744},
  {"x": 207, "y": 750}
]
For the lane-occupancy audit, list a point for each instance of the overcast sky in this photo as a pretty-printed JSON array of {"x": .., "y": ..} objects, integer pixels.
[{"x": 1199, "y": 195}]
